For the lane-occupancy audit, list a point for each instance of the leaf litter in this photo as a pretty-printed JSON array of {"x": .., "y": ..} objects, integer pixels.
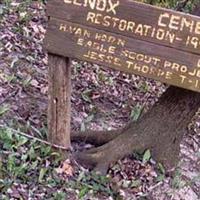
[{"x": 101, "y": 99}]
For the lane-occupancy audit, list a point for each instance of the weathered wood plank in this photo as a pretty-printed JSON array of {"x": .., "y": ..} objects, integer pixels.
[
  {"x": 59, "y": 107},
  {"x": 162, "y": 63},
  {"x": 132, "y": 19}
]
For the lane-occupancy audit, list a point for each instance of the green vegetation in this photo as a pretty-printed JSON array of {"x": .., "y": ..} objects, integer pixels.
[{"x": 33, "y": 165}]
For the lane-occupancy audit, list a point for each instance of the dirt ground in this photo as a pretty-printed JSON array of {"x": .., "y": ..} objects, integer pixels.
[{"x": 101, "y": 99}]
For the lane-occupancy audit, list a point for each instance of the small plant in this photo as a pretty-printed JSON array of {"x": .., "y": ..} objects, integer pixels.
[
  {"x": 146, "y": 156},
  {"x": 136, "y": 112},
  {"x": 4, "y": 109},
  {"x": 161, "y": 172},
  {"x": 24, "y": 161},
  {"x": 177, "y": 181},
  {"x": 92, "y": 182},
  {"x": 59, "y": 195}
]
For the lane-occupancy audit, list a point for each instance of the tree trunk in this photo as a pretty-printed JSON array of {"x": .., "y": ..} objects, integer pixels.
[
  {"x": 59, "y": 107},
  {"x": 160, "y": 130}
]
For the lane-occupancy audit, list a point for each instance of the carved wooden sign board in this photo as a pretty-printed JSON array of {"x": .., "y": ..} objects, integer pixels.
[{"x": 128, "y": 36}]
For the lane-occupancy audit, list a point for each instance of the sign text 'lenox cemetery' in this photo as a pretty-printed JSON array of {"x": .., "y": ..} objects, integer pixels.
[{"x": 128, "y": 36}]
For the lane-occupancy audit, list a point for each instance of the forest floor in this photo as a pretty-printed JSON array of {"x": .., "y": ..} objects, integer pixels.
[{"x": 102, "y": 99}]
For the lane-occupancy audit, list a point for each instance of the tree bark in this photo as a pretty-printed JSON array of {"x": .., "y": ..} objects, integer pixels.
[
  {"x": 160, "y": 130},
  {"x": 59, "y": 106},
  {"x": 98, "y": 138}
]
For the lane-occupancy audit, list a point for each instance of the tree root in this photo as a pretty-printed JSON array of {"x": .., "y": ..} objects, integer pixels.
[
  {"x": 98, "y": 138},
  {"x": 100, "y": 158},
  {"x": 160, "y": 130}
]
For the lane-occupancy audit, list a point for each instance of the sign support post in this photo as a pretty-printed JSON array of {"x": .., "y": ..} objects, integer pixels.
[{"x": 59, "y": 107}]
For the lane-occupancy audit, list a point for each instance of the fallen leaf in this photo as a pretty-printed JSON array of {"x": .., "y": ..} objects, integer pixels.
[{"x": 65, "y": 169}]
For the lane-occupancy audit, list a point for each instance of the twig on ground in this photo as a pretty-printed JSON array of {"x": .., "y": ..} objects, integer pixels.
[
  {"x": 12, "y": 94},
  {"x": 151, "y": 189},
  {"x": 16, "y": 132}
]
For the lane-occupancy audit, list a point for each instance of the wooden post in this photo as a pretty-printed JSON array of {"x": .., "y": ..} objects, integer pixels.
[{"x": 59, "y": 106}]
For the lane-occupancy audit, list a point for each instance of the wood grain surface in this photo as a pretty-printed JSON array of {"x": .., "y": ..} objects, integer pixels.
[{"x": 157, "y": 43}]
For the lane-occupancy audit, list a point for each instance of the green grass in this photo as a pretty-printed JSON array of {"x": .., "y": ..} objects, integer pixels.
[{"x": 25, "y": 161}]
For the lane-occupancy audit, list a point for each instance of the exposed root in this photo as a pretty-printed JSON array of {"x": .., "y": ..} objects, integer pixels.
[
  {"x": 93, "y": 161},
  {"x": 101, "y": 157},
  {"x": 160, "y": 130},
  {"x": 97, "y": 138}
]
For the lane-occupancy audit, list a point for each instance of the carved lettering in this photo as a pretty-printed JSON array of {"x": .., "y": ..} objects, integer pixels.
[
  {"x": 75, "y": 30},
  {"x": 176, "y": 22},
  {"x": 193, "y": 42},
  {"x": 108, "y": 6},
  {"x": 99, "y": 57},
  {"x": 130, "y": 26},
  {"x": 185, "y": 23},
  {"x": 101, "y": 5},
  {"x": 197, "y": 84},
  {"x": 183, "y": 78},
  {"x": 197, "y": 28},
  {"x": 162, "y": 20},
  {"x": 112, "y": 7},
  {"x": 104, "y": 48},
  {"x": 101, "y": 46}
]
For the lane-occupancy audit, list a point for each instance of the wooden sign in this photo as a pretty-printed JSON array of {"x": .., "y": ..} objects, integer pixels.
[{"x": 128, "y": 36}]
